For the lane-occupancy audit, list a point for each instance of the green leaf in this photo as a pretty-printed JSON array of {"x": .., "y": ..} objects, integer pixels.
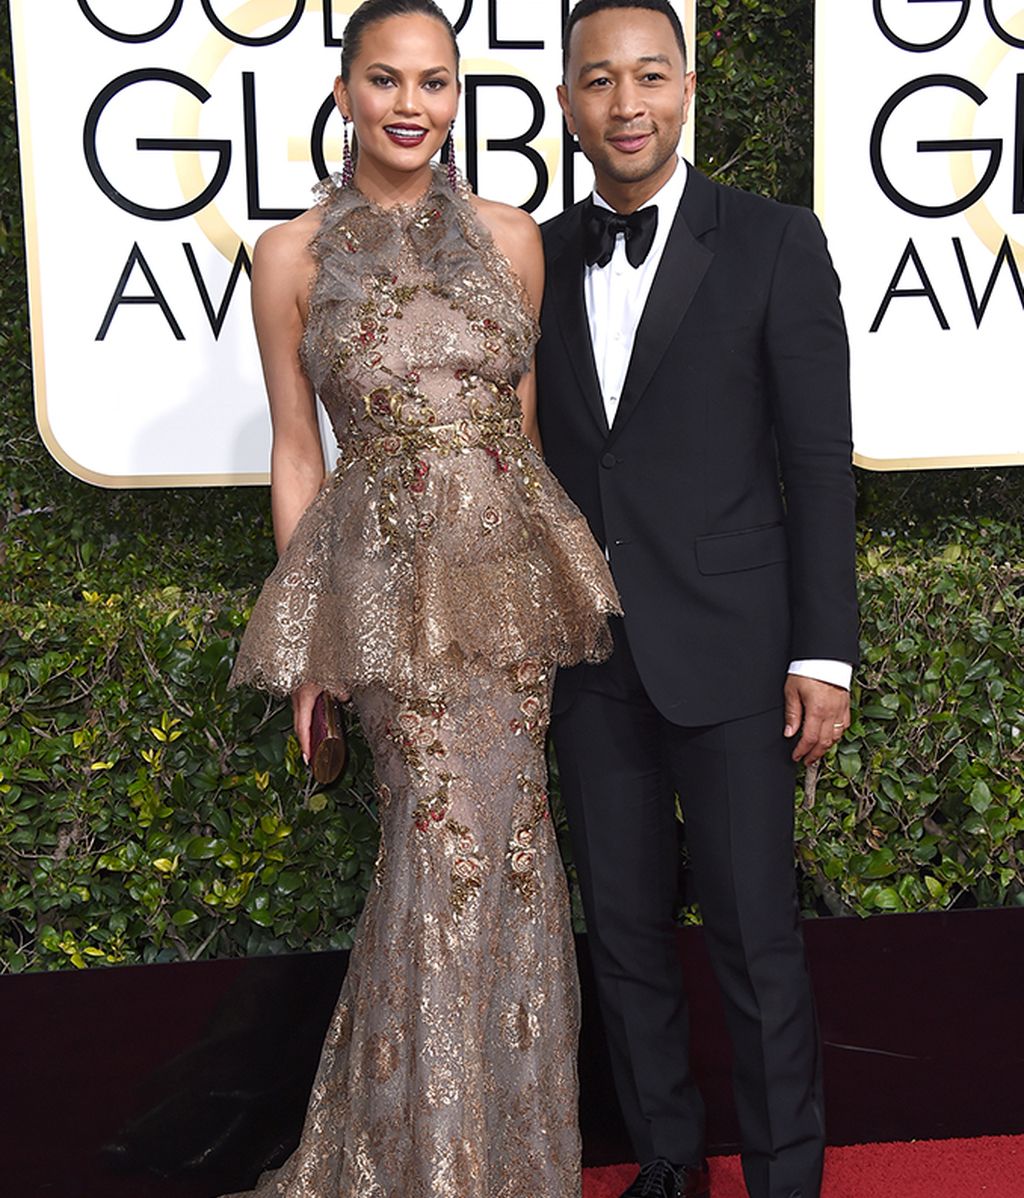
[
  {"x": 203, "y": 848},
  {"x": 887, "y": 899},
  {"x": 880, "y": 864},
  {"x": 981, "y": 797},
  {"x": 850, "y": 764},
  {"x": 288, "y": 882}
]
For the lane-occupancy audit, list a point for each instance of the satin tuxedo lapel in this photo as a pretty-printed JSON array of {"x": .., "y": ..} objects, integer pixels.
[
  {"x": 682, "y": 268},
  {"x": 565, "y": 291}
]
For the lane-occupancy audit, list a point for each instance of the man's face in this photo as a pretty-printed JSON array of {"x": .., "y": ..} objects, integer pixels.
[{"x": 626, "y": 94}]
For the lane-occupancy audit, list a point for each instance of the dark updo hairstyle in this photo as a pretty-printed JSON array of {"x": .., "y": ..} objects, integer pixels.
[{"x": 371, "y": 12}]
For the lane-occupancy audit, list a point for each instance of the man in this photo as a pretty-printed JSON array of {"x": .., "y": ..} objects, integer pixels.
[{"x": 694, "y": 403}]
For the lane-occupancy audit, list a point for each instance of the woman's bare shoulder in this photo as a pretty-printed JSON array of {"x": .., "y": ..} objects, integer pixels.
[
  {"x": 287, "y": 244},
  {"x": 511, "y": 228},
  {"x": 517, "y": 237}
]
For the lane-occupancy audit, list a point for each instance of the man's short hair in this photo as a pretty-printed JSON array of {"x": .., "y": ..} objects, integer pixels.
[{"x": 587, "y": 8}]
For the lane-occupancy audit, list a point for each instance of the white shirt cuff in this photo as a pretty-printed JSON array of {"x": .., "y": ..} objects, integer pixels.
[{"x": 838, "y": 673}]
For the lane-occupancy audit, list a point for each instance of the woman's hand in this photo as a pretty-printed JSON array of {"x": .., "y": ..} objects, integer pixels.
[
  {"x": 303, "y": 701},
  {"x": 302, "y": 715}
]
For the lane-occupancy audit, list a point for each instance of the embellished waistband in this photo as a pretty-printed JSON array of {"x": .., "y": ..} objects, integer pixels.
[{"x": 412, "y": 440}]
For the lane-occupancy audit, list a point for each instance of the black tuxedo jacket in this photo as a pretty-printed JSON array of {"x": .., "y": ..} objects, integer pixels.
[{"x": 724, "y": 490}]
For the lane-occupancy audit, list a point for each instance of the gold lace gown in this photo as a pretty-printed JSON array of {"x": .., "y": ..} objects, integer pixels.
[{"x": 440, "y": 576}]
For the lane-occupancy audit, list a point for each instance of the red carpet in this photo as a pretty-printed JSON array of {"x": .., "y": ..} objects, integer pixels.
[{"x": 989, "y": 1167}]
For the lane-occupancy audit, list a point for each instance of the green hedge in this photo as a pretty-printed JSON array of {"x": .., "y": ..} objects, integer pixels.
[
  {"x": 921, "y": 807},
  {"x": 146, "y": 813}
]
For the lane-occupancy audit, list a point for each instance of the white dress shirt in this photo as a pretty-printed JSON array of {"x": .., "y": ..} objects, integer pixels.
[{"x": 615, "y": 295}]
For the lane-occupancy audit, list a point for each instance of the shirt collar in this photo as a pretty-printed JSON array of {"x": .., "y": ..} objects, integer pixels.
[{"x": 668, "y": 195}]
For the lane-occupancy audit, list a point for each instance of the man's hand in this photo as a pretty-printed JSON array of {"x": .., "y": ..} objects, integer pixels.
[{"x": 819, "y": 711}]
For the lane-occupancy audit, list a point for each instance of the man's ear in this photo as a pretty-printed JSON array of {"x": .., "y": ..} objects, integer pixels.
[
  {"x": 563, "y": 102},
  {"x": 689, "y": 87}
]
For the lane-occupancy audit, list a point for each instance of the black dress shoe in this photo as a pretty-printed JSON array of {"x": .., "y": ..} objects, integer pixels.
[{"x": 662, "y": 1179}]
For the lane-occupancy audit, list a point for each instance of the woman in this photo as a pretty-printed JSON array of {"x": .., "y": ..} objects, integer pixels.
[{"x": 437, "y": 578}]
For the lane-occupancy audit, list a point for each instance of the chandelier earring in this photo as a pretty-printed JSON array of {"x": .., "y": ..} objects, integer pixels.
[
  {"x": 348, "y": 169},
  {"x": 449, "y": 157}
]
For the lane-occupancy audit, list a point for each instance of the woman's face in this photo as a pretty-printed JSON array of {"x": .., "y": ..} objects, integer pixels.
[{"x": 402, "y": 92}]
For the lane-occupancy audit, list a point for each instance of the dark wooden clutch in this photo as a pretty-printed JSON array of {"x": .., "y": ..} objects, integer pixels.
[{"x": 327, "y": 739}]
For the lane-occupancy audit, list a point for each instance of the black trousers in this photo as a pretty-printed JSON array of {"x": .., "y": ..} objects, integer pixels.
[{"x": 621, "y": 763}]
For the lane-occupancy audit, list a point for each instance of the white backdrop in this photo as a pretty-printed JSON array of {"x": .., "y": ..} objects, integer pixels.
[
  {"x": 920, "y": 184},
  {"x": 158, "y": 139}
]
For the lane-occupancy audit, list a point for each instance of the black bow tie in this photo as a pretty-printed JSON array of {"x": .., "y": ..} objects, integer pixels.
[{"x": 601, "y": 226}]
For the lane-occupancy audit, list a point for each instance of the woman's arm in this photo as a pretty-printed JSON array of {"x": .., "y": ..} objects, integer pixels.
[
  {"x": 281, "y": 272},
  {"x": 527, "y": 392},
  {"x": 516, "y": 235},
  {"x": 280, "y": 278}
]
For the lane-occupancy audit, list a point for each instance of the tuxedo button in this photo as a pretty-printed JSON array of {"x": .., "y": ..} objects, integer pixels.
[{"x": 608, "y": 461}]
